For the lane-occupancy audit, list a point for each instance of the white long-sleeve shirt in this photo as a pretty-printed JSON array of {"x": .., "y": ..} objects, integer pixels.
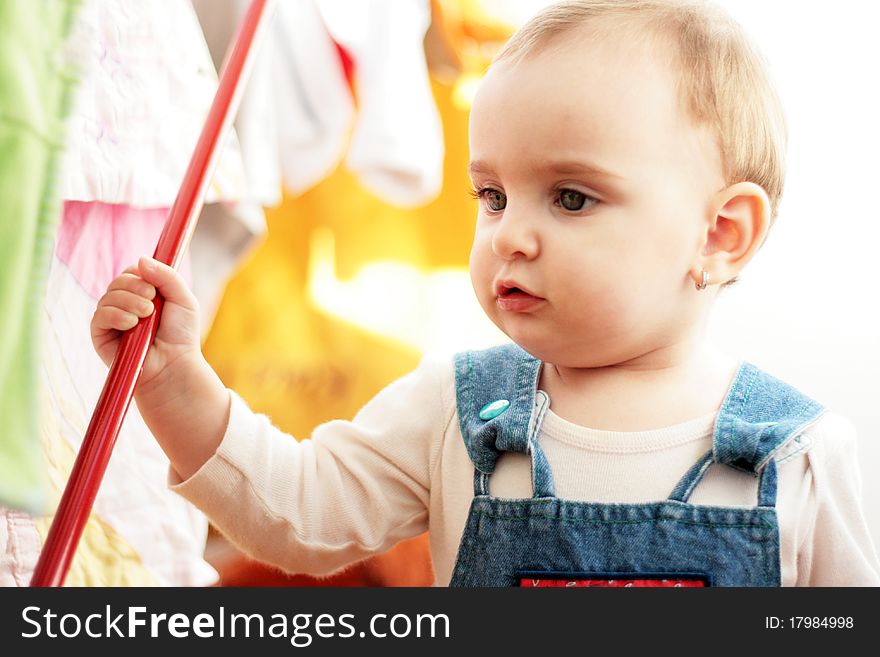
[{"x": 400, "y": 467}]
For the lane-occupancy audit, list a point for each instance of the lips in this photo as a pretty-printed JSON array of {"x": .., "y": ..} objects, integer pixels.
[{"x": 513, "y": 297}]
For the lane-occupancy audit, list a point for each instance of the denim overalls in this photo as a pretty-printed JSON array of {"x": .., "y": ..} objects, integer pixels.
[{"x": 546, "y": 541}]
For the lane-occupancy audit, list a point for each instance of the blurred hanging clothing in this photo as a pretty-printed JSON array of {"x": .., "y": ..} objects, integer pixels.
[
  {"x": 147, "y": 85},
  {"x": 298, "y": 118}
]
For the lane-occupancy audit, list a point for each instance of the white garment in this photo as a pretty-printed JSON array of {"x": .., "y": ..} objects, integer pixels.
[
  {"x": 397, "y": 146},
  {"x": 146, "y": 83},
  {"x": 298, "y": 119},
  {"x": 400, "y": 467},
  {"x": 297, "y": 110}
]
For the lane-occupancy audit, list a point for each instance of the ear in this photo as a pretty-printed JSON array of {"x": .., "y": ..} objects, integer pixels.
[{"x": 741, "y": 220}]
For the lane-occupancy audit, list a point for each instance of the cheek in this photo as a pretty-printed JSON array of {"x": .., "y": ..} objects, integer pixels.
[
  {"x": 601, "y": 308},
  {"x": 607, "y": 291},
  {"x": 479, "y": 267},
  {"x": 585, "y": 275},
  {"x": 637, "y": 288}
]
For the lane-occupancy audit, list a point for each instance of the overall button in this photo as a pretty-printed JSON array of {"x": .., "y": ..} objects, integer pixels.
[{"x": 494, "y": 409}]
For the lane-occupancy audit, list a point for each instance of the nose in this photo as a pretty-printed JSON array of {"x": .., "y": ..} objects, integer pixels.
[{"x": 515, "y": 235}]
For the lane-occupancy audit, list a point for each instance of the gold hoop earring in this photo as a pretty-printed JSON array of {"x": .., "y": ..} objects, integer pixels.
[{"x": 702, "y": 285}]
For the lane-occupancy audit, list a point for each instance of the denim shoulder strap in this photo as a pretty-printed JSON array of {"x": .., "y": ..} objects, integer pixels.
[
  {"x": 759, "y": 415},
  {"x": 506, "y": 375}
]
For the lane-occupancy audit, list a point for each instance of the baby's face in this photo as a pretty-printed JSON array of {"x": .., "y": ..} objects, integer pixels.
[{"x": 595, "y": 193}]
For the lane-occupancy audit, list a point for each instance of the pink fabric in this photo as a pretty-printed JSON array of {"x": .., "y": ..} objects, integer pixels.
[{"x": 98, "y": 240}]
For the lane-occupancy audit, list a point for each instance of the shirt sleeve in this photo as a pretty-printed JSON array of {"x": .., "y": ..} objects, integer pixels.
[
  {"x": 837, "y": 550},
  {"x": 354, "y": 489}
]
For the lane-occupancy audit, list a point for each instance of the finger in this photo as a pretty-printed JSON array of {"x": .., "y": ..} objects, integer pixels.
[
  {"x": 133, "y": 283},
  {"x": 128, "y": 301},
  {"x": 169, "y": 283},
  {"x": 112, "y": 318}
]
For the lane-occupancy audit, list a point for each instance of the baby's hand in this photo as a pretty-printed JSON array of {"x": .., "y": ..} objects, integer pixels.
[{"x": 129, "y": 297}]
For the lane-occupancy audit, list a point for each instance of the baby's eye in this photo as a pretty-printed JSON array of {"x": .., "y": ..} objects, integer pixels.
[
  {"x": 495, "y": 200},
  {"x": 574, "y": 201}
]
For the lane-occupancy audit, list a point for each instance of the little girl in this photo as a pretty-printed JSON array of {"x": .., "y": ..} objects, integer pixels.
[{"x": 628, "y": 157}]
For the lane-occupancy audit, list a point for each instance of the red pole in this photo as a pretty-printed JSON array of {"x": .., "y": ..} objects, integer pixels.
[{"x": 91, "y": 462}]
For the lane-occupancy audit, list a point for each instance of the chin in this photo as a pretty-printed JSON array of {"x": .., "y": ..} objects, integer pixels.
[
  {"x": 546, "y": 346},
  {"x": 529, "y": 340}
]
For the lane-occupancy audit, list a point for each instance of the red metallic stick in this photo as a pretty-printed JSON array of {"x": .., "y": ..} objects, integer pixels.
[{"x": 91, "y": 462}]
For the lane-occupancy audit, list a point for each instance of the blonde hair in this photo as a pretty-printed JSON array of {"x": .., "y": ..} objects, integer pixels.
[{"x": 723, "y": 79}]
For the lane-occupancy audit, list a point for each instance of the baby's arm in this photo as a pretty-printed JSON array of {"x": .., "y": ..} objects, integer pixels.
[
  {"x": 354, "y": 489},
  {"x": 180, "y": 397},
  {"x": 837, "y": 549}
]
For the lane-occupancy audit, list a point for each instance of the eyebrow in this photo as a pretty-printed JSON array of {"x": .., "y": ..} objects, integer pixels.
[{"x": 559, "y": 167}]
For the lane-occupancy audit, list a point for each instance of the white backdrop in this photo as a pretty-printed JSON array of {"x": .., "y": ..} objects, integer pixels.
[{"x": 805, "y": 308}]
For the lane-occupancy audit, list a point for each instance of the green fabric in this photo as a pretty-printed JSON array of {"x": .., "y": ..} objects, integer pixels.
[{"x": 35, "y": 94}]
